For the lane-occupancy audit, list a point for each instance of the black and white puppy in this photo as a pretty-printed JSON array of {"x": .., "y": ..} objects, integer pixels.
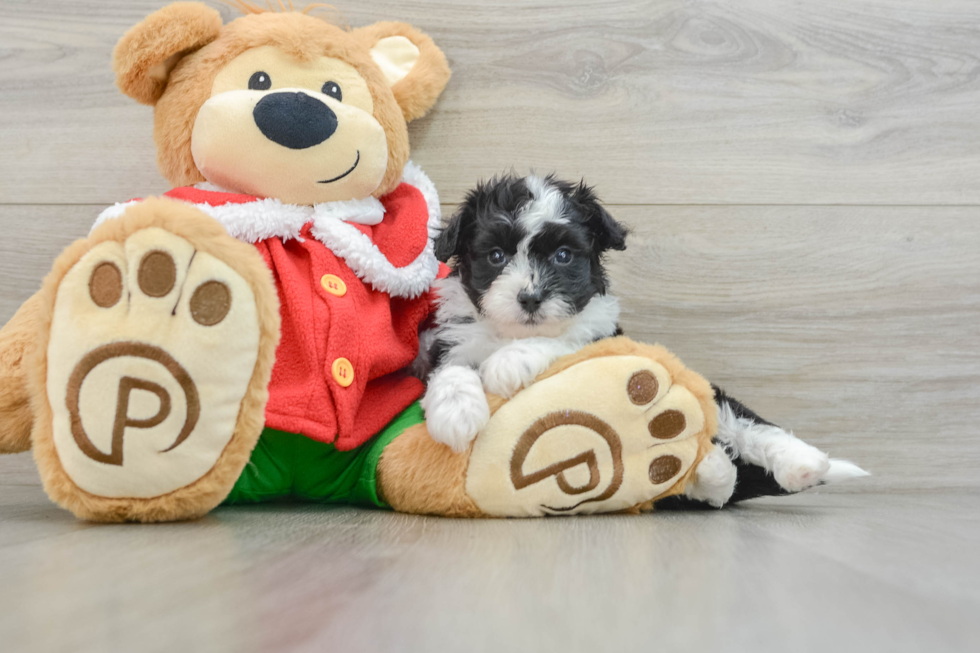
[{"x": 527, "y": 287}]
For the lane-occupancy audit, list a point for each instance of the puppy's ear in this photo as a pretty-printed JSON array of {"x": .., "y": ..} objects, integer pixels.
[
  {"x": 147, "y": 53},
  {"x": 607, "y": 232},
  {"x": 415, "y": 68},
  {"x": 449, "y": 243}
]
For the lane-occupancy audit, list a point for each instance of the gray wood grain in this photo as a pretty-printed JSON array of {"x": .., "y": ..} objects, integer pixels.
[
  {"x": 859, "y": 327},
  {"x": 815, "y": 572},
  {"x": 760, "y": 101}
]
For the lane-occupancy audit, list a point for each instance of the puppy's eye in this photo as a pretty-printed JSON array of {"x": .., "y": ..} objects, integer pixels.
[
  {"x": 259, "y": 81},
  {"x": 563, "y": 256},
  {"x": 497, "y": 257},
  {"x": 333, "y": 90}
]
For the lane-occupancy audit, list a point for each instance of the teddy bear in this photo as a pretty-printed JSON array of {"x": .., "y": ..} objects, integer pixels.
[{"x": 249, "y": 335}]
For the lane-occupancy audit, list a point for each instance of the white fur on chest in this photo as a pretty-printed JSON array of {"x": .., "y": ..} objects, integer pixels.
[{"x": 480, "y": 356}]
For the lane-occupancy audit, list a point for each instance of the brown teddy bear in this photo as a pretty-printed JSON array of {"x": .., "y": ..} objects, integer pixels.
[{"x": 267, "y": 310}]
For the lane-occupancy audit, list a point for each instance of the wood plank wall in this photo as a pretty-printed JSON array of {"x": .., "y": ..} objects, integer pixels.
[{"x": 803, "y": 181}]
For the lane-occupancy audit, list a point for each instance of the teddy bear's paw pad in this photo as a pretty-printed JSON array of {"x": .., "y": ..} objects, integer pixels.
[
  {"x": 152, "y": 348},
  {"x": 603, "y": 435}
]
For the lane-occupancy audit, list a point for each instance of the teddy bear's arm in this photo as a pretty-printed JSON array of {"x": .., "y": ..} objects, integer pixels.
[{"x": 17, "y": 341}]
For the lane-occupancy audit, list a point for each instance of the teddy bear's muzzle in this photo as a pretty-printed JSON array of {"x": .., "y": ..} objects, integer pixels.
[{"x": 294, "y": 120}]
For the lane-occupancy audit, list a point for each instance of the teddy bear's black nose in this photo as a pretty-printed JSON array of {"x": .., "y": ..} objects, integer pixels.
[{"x": 294, "y": 120}]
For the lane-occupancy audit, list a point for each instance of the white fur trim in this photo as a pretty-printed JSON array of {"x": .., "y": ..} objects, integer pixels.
[
  {"x": 370, "y": 265},
  {"x": 368, "y": 211},
  {"x": 413, "y": 176},
  {"x": 113, "y": 212},
  {"x": 260, "y": 219},
  {"x": 214, "y": 188},
  {"x": 333, "y": 225},
  {"x": 364, "y": 257}
]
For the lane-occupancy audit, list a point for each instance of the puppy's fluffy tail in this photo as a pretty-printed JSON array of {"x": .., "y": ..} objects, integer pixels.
[{"x": 842, "y": 470}]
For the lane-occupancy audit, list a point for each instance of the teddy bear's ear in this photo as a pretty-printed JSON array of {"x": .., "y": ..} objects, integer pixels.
[
  {"x": 415, "y": 68},
  {"x": 147, "y": 53}
]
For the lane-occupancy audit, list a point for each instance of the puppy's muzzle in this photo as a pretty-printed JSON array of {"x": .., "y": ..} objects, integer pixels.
[{"x": 294, "y": 120}]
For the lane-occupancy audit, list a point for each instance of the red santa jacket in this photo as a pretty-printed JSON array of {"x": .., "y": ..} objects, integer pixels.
[{"x": 353, "y": 281}]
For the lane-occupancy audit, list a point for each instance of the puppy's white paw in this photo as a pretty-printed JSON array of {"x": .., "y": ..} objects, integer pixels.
[
  {"x": 455, "y": 405},
  {"x": 797, "y": 465},
  {"x": 714, "y": 480},
  {"x": 513, "y": 367}
]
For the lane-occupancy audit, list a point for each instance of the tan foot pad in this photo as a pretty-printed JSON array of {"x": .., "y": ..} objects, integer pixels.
[
  {"x": 604, "y": 435},
  {"x": 152, "y": 348}
]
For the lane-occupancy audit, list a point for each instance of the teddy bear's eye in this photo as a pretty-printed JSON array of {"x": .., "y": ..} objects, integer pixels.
[
  {"x": 333, "y": 90},
  {"x": 259, "y": 82}
]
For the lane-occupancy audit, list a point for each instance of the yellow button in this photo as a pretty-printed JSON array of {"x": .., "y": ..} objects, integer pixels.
[
  {"x": 343, "y": 372},
  {"x": 333, "y": 285}
]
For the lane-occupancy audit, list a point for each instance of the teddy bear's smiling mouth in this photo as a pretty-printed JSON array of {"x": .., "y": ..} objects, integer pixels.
[{"x": 339, "y": 177}]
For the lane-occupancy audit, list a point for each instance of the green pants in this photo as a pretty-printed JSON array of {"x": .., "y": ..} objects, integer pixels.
[{"x": 287, "y": 465}]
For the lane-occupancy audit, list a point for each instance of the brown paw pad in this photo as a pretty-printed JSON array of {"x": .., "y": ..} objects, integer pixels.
[
  {"x": 106, "y": 285},
  {"x": 210, "y": 303},
  {"x": 667, "y": 425},
  {"x": 642, "y": 387},
  {"x": 664, "y": 468},
  {"x": 157, "y": 274}
]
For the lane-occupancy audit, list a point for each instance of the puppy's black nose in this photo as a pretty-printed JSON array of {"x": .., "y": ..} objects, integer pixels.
[
  {"x": 294, "y": 120},
  {"x": 529, "y": 301}
]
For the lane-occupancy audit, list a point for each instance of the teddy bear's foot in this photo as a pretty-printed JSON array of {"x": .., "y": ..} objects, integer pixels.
[
  {"x": 155, "y": 367},
  {"x": 18, "y": 340},
  {"x": 609, "y": 429}
]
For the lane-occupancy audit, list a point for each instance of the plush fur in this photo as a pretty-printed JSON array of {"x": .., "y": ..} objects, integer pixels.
[
  {"x": 147, "y": 53},
  {"x": 200, "y": 497},
  {"x": 418, "y": 91},
  {"x": 418, "y": 475},
  {"x": 18, "y": 339},
  {"x": 193, "y": 52}
]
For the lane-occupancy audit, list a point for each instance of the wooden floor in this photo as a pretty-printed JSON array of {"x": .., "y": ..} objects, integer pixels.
[
  {"x": 803, "y": 183},
  {"x": 820, "y": 572}
]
